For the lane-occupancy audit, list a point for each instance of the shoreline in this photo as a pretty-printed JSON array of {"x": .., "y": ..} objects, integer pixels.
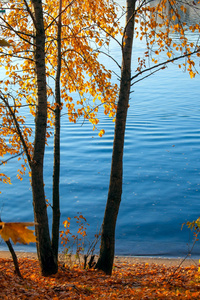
[{"x": 118, "y": 259}]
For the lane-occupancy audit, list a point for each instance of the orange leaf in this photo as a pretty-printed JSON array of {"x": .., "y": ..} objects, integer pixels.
[
  {"x": 18, "y": 232},
  {"x": 192, "y": 74},
  {"x": 169, "y": 54}
]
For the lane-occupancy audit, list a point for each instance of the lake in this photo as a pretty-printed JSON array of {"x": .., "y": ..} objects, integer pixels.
[{"x": 161, "y": 185}]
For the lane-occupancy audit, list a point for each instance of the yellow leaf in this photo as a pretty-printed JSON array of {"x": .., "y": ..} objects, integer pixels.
[
  {"x": 102, "y": 132},
  {"x": 18, "y": 232},
  {"x": 192, "y": 74},
  {"x": 169, "y": 54}
]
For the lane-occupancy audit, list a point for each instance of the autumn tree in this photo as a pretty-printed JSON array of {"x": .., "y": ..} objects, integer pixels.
[
  {"x": 12, "y": 124},
  {"x": 76, "y": 57},
  {"x": 32, "y": 28},
  {"x": 155, "y": 23}
]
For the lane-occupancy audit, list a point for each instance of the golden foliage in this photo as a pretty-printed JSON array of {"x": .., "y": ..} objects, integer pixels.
[
  {"x": 163, "y": 28},
  {"x": 86, "y": 85},
  {"x": 85, "y": 82}
]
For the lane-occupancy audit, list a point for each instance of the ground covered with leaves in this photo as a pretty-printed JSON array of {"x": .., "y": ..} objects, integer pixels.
[{"x": 129, "y": 281}]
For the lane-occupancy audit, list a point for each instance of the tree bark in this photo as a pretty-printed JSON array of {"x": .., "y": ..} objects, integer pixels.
[
  {"x": 107, "y": 248},
  {"x": 56, "y": 168},
  {"x": 45, "y": 254}
]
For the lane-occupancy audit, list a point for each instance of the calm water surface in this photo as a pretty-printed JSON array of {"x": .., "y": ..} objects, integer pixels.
[{"x": 161, "y": 186}]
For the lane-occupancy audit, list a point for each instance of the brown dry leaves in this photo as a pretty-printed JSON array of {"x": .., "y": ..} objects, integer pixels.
[{"x": 129, "y": 281}]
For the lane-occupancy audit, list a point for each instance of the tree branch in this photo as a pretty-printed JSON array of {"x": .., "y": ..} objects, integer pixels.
[
  {"x": 163, "y": 64},
  {"x": 60, "y": 14},
  {"x": 14, "y": 256},
  {"x": 5, "y": 161},
  {"x": 17, "y": 128},
  {"x": 98, "y": 51},
  {"x": 30, "y": 13}
]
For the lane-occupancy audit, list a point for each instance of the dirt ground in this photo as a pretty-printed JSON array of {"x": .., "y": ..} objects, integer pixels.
[{"x": 118, "y": 259}]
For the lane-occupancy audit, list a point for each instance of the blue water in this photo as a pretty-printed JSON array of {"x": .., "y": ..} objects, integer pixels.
[{"x": 161, "y": 185}]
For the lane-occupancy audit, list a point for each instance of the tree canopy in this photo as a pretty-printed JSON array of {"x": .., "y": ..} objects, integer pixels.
[{"x": 86, "y": 27}]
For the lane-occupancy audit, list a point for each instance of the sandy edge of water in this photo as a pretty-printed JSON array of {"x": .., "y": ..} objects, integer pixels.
[{"x": 118, "y": 259}]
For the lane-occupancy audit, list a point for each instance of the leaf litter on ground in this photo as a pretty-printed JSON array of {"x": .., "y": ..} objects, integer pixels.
[{"x": 128, "y": 281}]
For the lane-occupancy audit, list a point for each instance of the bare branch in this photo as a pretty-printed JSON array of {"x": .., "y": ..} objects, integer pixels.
[
  {"x": 98, "y": 51},
  {"x": 149, "y": 75},
  {"x": 5, "y": 161},
  {"x": 163, "y": 64}
]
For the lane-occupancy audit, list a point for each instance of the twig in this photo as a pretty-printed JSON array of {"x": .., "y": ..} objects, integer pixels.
[{"x": 182, "y": 261}]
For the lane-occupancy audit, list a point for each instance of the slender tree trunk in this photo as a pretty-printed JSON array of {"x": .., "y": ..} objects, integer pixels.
[
  {"x": 56, "y": 168},
  {"x": 45, "y": 254},
  {"x": 14, "y": 256},
  {"x": 106, "y": 258}
]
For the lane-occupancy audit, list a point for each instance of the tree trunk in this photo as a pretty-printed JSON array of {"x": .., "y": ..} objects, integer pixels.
[
  {"x": 45, "y": 254},
  {"x": 56, "y": 168},
  {"x": 106, "y": 258}
]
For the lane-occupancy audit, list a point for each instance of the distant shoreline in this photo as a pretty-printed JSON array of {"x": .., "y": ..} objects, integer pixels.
[{"x": 118, "y": 259}]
